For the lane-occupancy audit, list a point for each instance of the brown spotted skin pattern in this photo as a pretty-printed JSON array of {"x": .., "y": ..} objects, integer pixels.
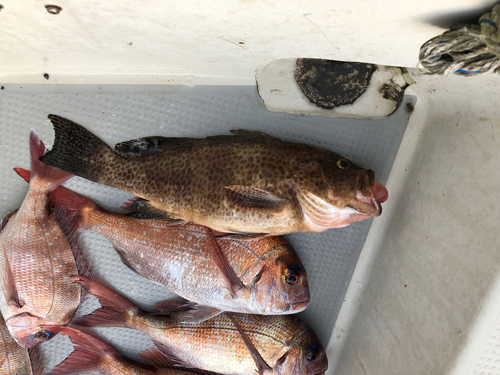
[
  {"x": 14, "y": 360},
  {"x": 189, "y": 179}
]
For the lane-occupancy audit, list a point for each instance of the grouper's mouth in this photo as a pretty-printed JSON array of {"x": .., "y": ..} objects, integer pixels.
[{"x": 370, "y": 205}]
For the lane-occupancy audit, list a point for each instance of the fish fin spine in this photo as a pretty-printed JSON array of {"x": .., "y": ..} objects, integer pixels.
[
  {"x": 23, "y": 173},
  {"x": 36, "y": 360},
  {"x": 143, "y": 209},
  {"x": 6, "y": 219},
  {"x": 129, "y": 204},
  {"x": 82, "y": 359},
  {"x": 256, "y": 199},
  {"x": 115, "y": 308},
  {"x": 41, "y": 170},
  {"x": 201, "y": 313},
  {"x": 69, "y": 223},
  {"x": 233, "y": 283},
  {"x": 262, "y": 366},
  {"x": 73, "y": 201},
  {"x": 170, "y": 355},
  {"x": 87, "y": 354},
  {"x": 123, "y": 257},
  {"x": 156, "y": 358},
  {"x": 9, "y": 289},
  {"x": 168, "y": 307}
]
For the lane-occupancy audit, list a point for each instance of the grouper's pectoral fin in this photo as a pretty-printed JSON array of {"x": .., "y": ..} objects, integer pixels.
[
  {"x": 143, "y": 209},
  {"x": 255, "y": 199}
]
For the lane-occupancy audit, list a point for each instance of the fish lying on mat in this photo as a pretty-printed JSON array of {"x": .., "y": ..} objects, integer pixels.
[
  {"x": 91, "y": 354},
  {"x": 36, "y": 261},
  {"x": 247, "y": 182},
  {"x": 229, "y": 343},
  {"x": 259, "y": 276},
  {"x": 14, "y": 359}
]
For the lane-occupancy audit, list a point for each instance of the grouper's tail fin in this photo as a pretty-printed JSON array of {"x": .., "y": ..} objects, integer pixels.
[{"x": 77, "y": 151}]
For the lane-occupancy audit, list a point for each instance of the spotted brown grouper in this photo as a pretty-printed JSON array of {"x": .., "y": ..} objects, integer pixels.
[{"x": 247, "y": 182}]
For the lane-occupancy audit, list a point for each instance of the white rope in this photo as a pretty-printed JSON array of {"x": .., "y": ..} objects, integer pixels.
[{"x": 465, "y": 50}]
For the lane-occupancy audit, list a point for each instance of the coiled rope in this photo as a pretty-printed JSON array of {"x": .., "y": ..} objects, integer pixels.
[{"x": 465, "y": 50}]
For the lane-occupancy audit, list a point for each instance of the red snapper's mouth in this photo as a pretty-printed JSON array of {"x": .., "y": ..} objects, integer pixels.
[{"x": 299, "y": 306}]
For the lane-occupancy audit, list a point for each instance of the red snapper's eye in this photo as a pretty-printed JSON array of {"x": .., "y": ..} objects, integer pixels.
[
  {"x": 292, "y": 275},
  {"x": 42, "y": 335}
]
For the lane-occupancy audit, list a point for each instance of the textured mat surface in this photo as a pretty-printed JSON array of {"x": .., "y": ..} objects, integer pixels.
[{"x": 118, "y": 113}]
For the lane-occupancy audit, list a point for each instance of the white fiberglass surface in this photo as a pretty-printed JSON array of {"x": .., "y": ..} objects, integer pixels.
[{"x": 119, "y": 113}]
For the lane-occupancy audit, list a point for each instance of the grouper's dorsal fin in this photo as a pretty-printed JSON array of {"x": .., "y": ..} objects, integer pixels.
[
  {"x": 150, "y": 145},
  {"x": 255, "y": 135},
  {"x": 153, "y": 145},
  {"x": 242, "y": 135}
]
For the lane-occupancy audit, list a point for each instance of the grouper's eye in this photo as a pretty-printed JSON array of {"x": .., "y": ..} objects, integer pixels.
[
  {"x": 313, "y": 353},
  {"x": 342, "y": 164},
  {"x": 42, "y": 335},
  {"x": 292, "y": 275}
]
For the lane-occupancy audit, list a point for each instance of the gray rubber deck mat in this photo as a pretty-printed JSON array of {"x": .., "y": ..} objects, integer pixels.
[{"x": 119, "y": 113}]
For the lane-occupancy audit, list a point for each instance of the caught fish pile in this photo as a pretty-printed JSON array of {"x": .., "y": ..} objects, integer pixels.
[{"x": 205, "y": 224}]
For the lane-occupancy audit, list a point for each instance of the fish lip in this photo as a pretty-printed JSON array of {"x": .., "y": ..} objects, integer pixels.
[
  {"x": 301, "y": 305},
  {"x": 366, "y": 205},
  {"x": 376, "y": 204}
]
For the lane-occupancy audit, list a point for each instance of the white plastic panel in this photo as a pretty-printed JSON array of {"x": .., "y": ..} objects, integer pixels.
[
  {"x": 424, "y": 298},
  {"x": 215, "y": 42}
]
